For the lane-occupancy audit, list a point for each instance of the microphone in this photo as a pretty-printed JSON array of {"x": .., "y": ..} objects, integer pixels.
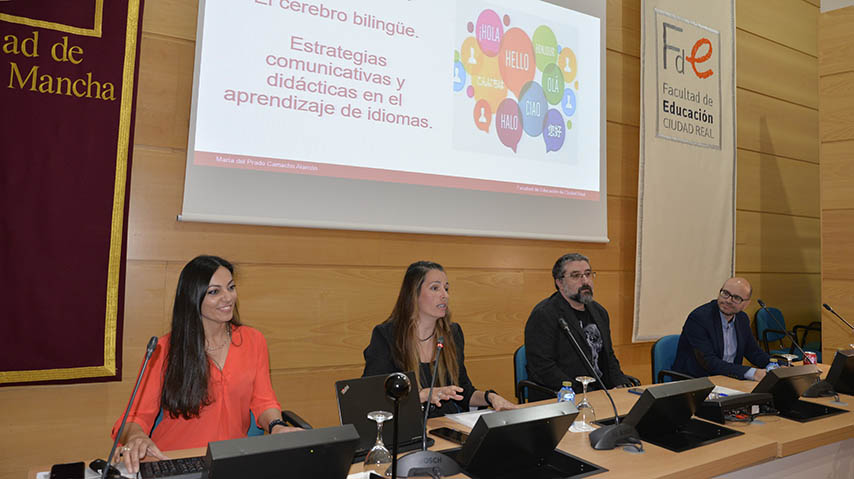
[
  {"x": 820, "y": 388},
  {"x": 783, "y": 327},
  {"x": 149, "y": 350},
  {"x": 611, "y": 436},
  {"x": 424, "y": 462},
  {"x": 827, "y": 307},
  {"x": 397, "y": 387}
]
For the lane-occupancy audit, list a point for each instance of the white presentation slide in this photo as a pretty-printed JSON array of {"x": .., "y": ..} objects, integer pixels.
[{"x": 354, "y": 115}]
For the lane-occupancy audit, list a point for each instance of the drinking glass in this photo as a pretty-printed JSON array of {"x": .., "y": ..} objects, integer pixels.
[
  {"x": 586, "y": 414},
  {"x": 379, "y": 455}
]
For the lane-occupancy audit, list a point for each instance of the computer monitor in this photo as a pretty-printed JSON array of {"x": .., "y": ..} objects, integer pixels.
[
  {"x": 663, "y": 416},
  {"x": 787, "y": 385},
  {"x": 325, "y": 452},
  {"x": 841, "y": 374},
  {"x": 521, "y": 443}
]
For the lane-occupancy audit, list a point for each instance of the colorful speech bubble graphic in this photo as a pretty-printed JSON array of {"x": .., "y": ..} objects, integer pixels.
[
  {"x": 553, "y": 84},
  {"x": 545, "y": 46},
  {"x": 533, "y": 106},
  {"x": 488, "y": 84},
  {"x": 516, "y": 60},
  {"x": 459, "y": 76},
  {"x": 553, "y": 132},
  {"x": 568, "y": 103},
  {"x": 508, "y": 123},
  {"x": 471, "y": 56},
  {"x": 488, "y": 32},
  {"x": 568, "y": 64},
  {"x": 482, "y": 115}
]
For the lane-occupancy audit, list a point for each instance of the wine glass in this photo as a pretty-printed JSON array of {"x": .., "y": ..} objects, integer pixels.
[
  {"x": 790, "y": 358},
  {"x": 379, "y": 455},
  {"x": 586, "y": 414}
]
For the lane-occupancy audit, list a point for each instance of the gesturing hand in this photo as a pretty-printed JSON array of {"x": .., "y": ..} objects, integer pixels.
[{"x": 443, "y": 393}]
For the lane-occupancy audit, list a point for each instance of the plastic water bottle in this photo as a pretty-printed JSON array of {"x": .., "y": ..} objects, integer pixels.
[{"x": 566, "y": 393}]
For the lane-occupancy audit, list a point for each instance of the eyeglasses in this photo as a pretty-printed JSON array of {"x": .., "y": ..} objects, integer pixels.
[
  {"x": 735, "y": 298},
  {"x": 576, "y": 275}
]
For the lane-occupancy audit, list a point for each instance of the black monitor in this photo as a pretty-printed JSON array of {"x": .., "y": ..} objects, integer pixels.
[
  {"x": 521, "y": 443},
  {"x": 326, "y": 452},
  {"x": 663, "y": 416},
  {"x": 841, "y": 374},
  {"x": 787, "y": 385}
]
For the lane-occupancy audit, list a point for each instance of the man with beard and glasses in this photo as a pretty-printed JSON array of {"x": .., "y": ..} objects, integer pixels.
[
  {"x": 717, "y": 337},
  {"x": 551, "y": 356}
]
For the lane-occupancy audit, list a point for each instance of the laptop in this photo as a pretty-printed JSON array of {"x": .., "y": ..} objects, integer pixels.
[{"x": 357, "y": 397}]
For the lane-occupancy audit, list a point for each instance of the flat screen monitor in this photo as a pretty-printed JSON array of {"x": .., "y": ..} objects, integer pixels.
[
  {"x": 841, "y": 374},
  {"x": 663, "y": 416},
  {"x": 326, "y": 452},
  {"x": 787, "y": 385},
  {"x": 521, "y": 443}
]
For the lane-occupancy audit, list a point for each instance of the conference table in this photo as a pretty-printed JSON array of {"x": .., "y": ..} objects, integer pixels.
[{"x": 765, "y": 442}]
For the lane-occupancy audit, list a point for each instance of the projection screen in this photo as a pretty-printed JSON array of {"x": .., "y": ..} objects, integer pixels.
[{"x": 428, "y": 116}]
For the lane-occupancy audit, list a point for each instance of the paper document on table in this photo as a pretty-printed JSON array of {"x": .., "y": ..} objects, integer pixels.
[
  {"x": 468, "y": 419},
  {"x": 88, "y": 473},
  {"x": 720, "y": 391}
]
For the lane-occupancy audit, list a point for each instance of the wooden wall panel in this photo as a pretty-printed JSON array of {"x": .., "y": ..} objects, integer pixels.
[
  {"x": 623, "y": 147},
  {"x": 773, "y": 184},
  {"x": 776, "y": 127},
  {"x": 792, "y": 23},
  {"x": 771, "y": 243},
  {"x": 836, "y": 117},
  {"x": 623, "y": 88},
  {"x": 837, "y": 175},
  {"x": 172, "y": 18},
  {"x": 795, "y": 71},
  {"x": 836, "y": 50},
  {"x": 623, "y": 26},
  {"x": 836, "y": 166}
]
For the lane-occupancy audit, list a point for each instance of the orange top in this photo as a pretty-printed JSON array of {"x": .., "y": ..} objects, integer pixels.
[{"x": 242, "y": 385}]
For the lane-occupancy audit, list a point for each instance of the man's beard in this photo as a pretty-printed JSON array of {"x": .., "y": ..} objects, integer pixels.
[{"x": 584, "y": 295}]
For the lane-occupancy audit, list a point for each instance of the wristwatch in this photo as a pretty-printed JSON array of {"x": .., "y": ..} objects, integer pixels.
[
  {"x": 274, "y": 423},
  {"x": 486, "y": 397}
]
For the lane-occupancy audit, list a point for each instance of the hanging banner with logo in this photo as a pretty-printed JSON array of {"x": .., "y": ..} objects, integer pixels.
[
  {"x": 686, "y": 183},
  {"x": 68, "y": 73}
]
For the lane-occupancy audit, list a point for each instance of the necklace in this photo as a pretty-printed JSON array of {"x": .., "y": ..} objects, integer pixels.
[
  {"x": 210, "y": 349},
  {"x": 428, "y": 337}
]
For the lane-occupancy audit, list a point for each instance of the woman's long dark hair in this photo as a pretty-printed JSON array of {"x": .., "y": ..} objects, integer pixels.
[
  {"x": 404, "y": 316},
  {"x": 185, "y": 380}
]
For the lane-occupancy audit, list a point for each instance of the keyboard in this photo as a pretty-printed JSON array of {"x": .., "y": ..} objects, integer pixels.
[{"x": 186, "y": 468}]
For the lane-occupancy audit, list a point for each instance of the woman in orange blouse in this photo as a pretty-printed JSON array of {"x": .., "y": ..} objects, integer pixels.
[{"x": 206, "y": 375}]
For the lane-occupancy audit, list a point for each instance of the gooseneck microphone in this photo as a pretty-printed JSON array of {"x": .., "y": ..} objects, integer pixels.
[
  {"x": 827, "y": 307},
  {"x": 149, "y": 350},
  {"x": 783, "y": 328},
  {"x": 611, "y": 436},
  {"x": 424, "y": 462},
  {"x": 397, "y": 387}
]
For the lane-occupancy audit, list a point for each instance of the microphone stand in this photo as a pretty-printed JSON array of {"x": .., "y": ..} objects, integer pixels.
[
  {"x": 613, "y": 435},
  {"x": 149, "y": 350},
  {"x": 424, "y": 462},
  {"x": 820, "y": 388},
  {"x": 397, "y": 387}
]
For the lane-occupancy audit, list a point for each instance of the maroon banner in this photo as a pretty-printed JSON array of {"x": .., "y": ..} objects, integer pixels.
[{"x": 68, "y": 72}]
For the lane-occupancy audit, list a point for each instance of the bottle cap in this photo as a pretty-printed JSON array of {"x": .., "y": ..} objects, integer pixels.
[{"x": 567, "y": 384}]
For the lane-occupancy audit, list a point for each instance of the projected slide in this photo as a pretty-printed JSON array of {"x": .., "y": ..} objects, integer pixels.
[{"x": 498, "y": 97}]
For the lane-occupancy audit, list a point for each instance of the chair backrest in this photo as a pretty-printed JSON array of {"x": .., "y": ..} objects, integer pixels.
[
  {"x": 520, "y": 372},
  {"x": 765, "y": 321},
  {"x": 663, "y": 355}
]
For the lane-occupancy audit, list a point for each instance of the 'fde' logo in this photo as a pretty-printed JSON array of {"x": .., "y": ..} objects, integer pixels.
[{"x": 703, "y": 44}]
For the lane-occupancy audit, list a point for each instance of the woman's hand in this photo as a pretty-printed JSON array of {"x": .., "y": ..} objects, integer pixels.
[
  {"x": 137, "y": 447},
  {"x": 501, "y": 404},
  {"x": 279, "y": 429},
  {"x": 443, "y": 393}
]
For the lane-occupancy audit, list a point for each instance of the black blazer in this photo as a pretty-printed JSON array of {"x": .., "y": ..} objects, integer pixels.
[
  {"x": 551, "y": 356},
  {"x": 700, "y": 350}
]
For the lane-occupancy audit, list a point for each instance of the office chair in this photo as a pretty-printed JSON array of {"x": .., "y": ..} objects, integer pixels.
[
  {"x": 663, "y": 354},
  {"x": 520, "y": 377},
  {"x": 768, "y": 330}
]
